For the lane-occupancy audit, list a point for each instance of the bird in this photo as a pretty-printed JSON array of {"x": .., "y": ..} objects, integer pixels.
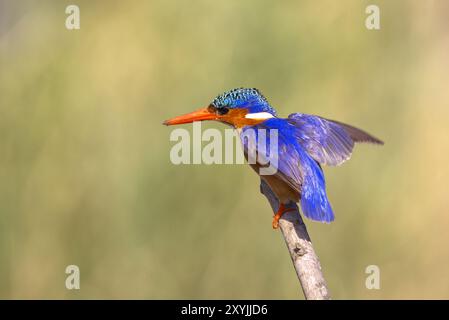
[{"x": 305, "y": 144}]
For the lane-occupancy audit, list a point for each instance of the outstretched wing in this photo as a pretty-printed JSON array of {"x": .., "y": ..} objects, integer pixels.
[
  {"x": 358, "y": 135},
  {"x": 328, "y": 142}
]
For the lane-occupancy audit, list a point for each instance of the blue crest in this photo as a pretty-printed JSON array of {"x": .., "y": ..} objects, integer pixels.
[{"x": 249, "y": 98}]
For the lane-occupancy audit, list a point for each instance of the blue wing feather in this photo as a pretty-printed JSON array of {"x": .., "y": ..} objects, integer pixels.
[
  {"x": 304, "y": 142},
  {"x": 294, "y": 166},
  {"x": 314, "y": 202},
  {"x": 325, "y": 141}
]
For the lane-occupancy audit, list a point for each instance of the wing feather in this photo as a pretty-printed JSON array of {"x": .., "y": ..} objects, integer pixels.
[
  {"x": 358, "y": 135},
  {"x": 295, "y": 167},
  {"x": 328, "y": 142}
]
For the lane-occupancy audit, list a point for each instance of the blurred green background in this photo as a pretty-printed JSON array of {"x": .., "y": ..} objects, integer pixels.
[{"x": 85, "y": 174}]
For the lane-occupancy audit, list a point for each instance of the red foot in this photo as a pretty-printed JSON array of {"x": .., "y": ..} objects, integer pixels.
[{"x": 282, "y": 209}]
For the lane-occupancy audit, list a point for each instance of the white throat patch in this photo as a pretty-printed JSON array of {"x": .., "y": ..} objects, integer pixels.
[{"x": 259, "y": 115}]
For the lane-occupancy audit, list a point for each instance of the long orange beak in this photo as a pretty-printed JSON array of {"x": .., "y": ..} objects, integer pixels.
[{"x": 198, "y": 115}]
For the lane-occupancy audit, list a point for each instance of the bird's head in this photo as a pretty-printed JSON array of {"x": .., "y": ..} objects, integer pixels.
[{"x": 238, "y": 107}]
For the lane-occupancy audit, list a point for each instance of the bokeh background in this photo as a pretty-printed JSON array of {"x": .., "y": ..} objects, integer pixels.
[{"x": 85, "y": 174}]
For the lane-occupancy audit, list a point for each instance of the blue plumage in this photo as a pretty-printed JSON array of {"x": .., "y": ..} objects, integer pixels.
[
  {"x": 294, "y": 166},
  {"x": 248, "y": 98},
  {"x": 314, "y": 202}
]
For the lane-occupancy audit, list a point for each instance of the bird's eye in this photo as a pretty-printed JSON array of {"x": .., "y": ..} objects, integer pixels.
[{"x": 222, "y": 111}]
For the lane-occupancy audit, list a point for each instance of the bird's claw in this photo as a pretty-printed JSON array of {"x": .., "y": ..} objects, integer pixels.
[
  {"x": 275, "y": 223},
  {"x": 278, "y": 215}
]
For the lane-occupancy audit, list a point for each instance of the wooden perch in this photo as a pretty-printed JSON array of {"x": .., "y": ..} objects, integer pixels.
[{"x": 299, "y": 245}]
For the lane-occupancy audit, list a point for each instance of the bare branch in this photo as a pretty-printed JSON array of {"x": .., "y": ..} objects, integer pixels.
[{"x": 299, "y": 245}]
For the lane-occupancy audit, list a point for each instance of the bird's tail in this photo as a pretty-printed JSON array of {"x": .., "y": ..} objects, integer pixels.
[{"x": 314, "y": 202}]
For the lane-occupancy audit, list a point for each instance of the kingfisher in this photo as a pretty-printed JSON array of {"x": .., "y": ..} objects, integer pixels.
[{"x": 305, "y": 143}]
